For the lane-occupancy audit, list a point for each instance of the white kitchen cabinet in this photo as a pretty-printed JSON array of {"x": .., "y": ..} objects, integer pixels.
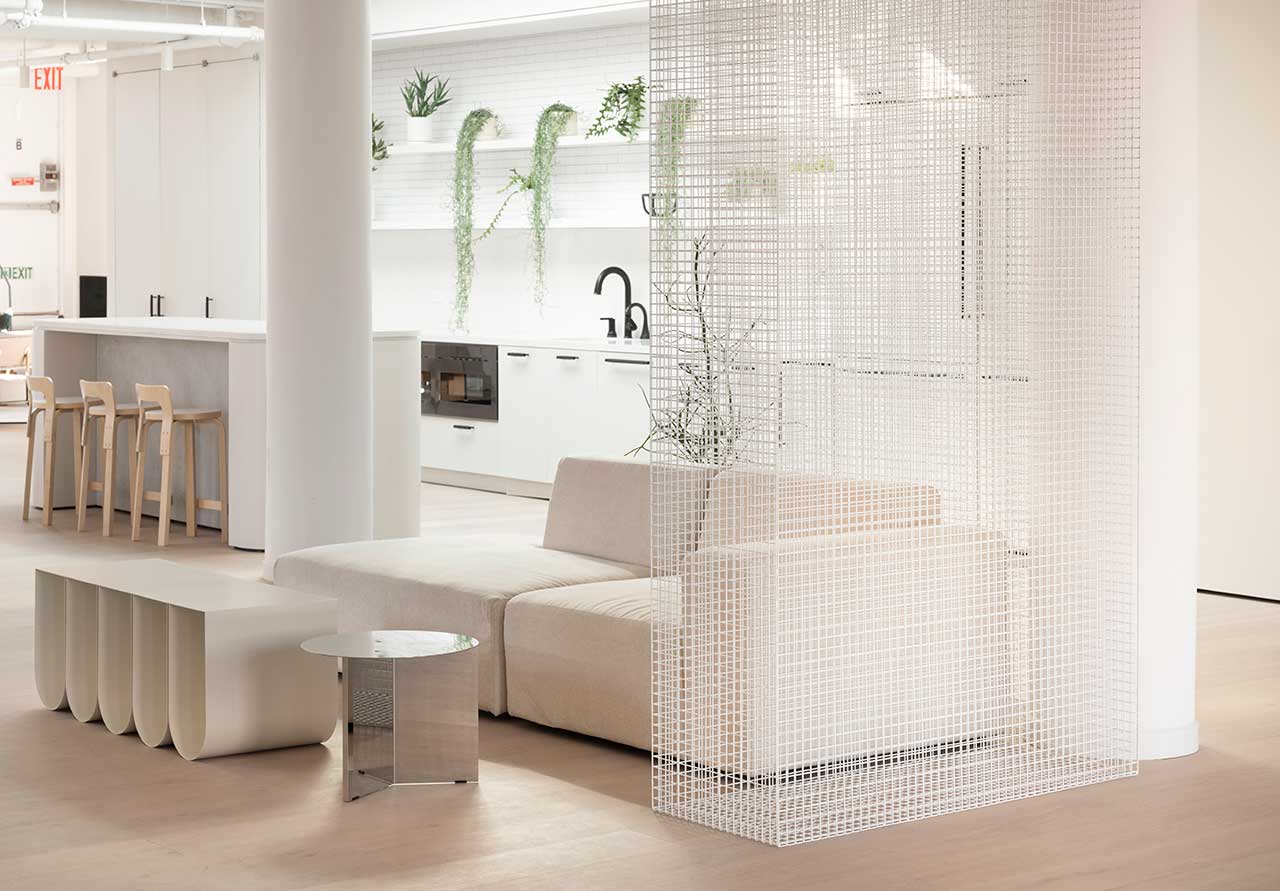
[
  {"x": 187, "y": 190},
  {"x": 523, "y": 378},
  {"x": 183, "y": 234},
  {"x": 140, "y": 266},
  {"x": 622, "y": 409},
  {"x": 461, "y": 445},
  {"x": 572, "y": 406}
]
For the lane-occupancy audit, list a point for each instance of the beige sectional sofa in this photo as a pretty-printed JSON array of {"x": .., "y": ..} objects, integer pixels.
[{"x": 566, "y": 628}]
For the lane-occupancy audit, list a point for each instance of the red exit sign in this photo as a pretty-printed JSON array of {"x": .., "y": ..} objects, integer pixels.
[{"x": 47, "y": 78}]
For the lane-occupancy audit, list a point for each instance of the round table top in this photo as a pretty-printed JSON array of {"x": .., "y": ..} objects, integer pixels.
[{"x": 389, "y": 644}]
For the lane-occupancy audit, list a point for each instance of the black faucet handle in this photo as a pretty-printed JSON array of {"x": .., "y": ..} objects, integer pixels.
[
  {"x": 613, "y": 326},
  {"x": 631, "y": 326}
]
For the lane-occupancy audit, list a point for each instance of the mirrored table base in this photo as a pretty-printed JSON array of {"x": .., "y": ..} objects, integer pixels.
[{"x": 409, "y": 721}]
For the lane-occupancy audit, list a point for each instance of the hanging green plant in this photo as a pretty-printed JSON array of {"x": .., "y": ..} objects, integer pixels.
[
  {"x": 671, "y": 127},
  {"x": 379, "y": 144},
  {"x": 622, "y": 110},
  {"x": 464, "y": 180},
  {"x": 517, "y": 184},
  {"x": 551, "y": 124}
]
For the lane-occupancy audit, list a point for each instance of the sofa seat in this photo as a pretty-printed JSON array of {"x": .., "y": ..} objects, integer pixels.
[
  {"x": 578, "y": 659},
  {"x": 419, "y": 583}
]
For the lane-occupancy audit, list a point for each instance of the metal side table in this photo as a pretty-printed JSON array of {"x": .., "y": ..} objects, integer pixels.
[{"x": 409, "y": 708}]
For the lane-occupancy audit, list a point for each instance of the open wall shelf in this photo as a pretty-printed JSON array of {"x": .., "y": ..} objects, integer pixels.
[
  {"x": 515, "y": 144},
  {"x": 571, "y": 223}
]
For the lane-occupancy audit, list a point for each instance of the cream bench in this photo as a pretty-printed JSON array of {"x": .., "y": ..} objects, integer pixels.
[{"x": 180, "y": 655}]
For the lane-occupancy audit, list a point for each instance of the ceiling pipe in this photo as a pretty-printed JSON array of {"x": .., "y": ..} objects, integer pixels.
[
  {"x": 255, "y": 5},
  {"x": 230, "y": 35},
  {"x": 154, "y": 49}
]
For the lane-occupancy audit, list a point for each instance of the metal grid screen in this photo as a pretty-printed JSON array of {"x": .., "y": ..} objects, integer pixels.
[{"x": 895, "y": 300}]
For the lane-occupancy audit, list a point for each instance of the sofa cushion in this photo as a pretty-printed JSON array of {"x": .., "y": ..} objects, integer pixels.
[
  {"x": 600, "y": 507},
  {"x": 768, "y": 505},
  {"x": 578, "y": 659},
  {"x": 420, "y": 583}
]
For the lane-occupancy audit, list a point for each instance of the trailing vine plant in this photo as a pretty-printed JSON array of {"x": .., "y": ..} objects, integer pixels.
[
  {"x": 464, "y": 177},
  {"x": 517, "y": 184},
  {"x": 622, "y": 110},
  {"x": 671, "y": 128},
  {"x": 551, "y": 124}
]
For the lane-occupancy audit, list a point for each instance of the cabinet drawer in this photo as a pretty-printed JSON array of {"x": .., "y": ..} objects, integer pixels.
[
  {"x": 460, "y": 444},
  {"x": 622, "y": 403}
]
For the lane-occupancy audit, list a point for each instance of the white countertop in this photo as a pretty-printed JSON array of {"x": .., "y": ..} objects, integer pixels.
[
  {"x": 536, "y": 341},
  {"x": 183, "y": 328}
]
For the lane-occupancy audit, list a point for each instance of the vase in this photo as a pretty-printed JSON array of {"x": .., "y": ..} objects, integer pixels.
[{"x": 419, "y": 129}]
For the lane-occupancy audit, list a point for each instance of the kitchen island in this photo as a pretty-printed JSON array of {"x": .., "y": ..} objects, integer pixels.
[{"x": 220, "y": 363}]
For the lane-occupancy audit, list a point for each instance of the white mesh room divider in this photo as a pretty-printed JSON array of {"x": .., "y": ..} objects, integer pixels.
[{"x": 895, "y": 300}]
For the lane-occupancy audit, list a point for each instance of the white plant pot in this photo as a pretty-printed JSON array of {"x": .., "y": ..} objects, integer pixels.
[
  {"x": 570, "y": 125},
  {"x": 489, "y": 130},
  {"x": 419, "y": 129}
]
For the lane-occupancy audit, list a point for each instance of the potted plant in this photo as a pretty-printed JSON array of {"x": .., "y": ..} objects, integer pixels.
[
  {"x": 622, "y": 111},
  {"x": 552, "y": 123},
  {"x": 424, "y": 95}
]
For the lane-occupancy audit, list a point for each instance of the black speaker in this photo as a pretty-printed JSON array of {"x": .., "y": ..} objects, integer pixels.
[{"x": 93, "y": 296}]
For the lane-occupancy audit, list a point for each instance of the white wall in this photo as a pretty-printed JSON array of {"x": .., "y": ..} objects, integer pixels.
[
  {"x": 1240, "y": 298},
  {"x": 596, "y": 190},
  {"x": 89, "y": 191},
  {"x": 31, "y": 239}
]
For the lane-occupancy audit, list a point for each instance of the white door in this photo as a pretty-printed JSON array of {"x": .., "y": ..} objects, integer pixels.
[
  {"x": 141, "y": 261},
  {"x": 622, "y": 388},
  {"x": 233, "y": 100},
  {"x": 184, "y": 190}
]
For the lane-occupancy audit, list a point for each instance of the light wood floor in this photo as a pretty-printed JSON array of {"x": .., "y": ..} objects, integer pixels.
[{"x": 82, "y": 808}]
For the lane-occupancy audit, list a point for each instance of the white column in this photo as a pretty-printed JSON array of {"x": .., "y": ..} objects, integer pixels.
[
  {"x": 319, "y": 453},
  {"x": 1169, "y": 393}
]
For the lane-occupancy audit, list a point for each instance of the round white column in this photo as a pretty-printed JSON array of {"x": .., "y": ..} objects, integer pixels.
[
  {"x": 1170, "y": 382},
  {"x": 319, "y": 292}
]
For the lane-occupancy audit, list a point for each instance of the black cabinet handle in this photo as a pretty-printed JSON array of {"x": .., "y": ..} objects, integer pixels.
[
  {"x": 628, "y": 361},
  {"x": 519, "y": 355},
  {"x": 207, "y": 302},
  {"x": 567, "y": 357},
  {"x": 160, "y": 305},
  {"x": 463, "y": 427},
  {"x": 151, "y": 305}
]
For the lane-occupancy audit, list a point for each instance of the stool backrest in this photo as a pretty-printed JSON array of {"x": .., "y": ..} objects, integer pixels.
[
  {"x": 156, "y": 395},
  {"x": 42, "y": 387},
  {"x": 93, "y": 393}
]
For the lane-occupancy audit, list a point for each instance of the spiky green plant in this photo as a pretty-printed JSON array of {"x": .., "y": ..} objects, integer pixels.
[
  {"x": 622, "y": 110},
  {"x": 379, "y": 144},
  {"x": 551, "y": 124},
  {"x": 464, "y": 180},
  {"x": 421, "y": 98}
]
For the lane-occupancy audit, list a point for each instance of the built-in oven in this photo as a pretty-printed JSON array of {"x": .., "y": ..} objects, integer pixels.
[{"x": 460, "y": 380}]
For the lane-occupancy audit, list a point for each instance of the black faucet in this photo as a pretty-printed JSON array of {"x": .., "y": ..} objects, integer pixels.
[{"x": 628, "y": 325}]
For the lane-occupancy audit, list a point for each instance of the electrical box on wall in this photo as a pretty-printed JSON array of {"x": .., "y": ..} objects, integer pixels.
[{"x": 50, "y": 178}]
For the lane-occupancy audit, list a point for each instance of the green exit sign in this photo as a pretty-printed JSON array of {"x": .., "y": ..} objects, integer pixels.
[{"x": 16, "y": 272}]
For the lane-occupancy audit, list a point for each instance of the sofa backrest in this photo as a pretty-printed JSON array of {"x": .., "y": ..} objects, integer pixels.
[
  {"x": 767, "y": 505},
  {"x": 600, "y": 507}
]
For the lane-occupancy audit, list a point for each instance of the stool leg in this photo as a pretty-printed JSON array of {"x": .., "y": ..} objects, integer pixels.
[
  {"x": 108, "y": 479},
  {"x": 140, "y": 477},
  {"x": 166, "y": 490},
  {"x": 82, "y": 481},
  {"x": 77, "y": 445},
  {"x": 190, "y": 441},
  {"x": 50, "y": 455},
  {"x": 130, "y": 437},
  {"x": 31, "y": 453},
  {"x": 225, "y": 517}
]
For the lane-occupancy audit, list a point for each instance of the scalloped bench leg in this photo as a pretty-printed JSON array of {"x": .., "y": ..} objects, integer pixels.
[
  {"x": 151, "y": 671},
  {"x": 51, "y": 640},
  {"x": 115, "y": 660},
  {"x": 82, "y": 651}
]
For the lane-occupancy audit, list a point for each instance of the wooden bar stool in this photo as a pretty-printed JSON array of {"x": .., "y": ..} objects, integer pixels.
[
  {"x": 156, "y": 407},
  {"x": 41, "y": 398},
  {"x": 100, "y": 402}
]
